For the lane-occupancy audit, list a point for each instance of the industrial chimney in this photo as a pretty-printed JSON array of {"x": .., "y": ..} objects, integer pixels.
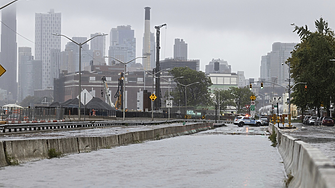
[{"x": 146, "y": 40}]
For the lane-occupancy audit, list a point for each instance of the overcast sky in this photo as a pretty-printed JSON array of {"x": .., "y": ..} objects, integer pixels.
[{"x": 237, "y": 31}]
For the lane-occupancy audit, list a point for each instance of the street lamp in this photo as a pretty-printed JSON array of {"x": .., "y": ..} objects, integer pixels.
[
  {"x": 169, "y": 98},
  {"x": 80, "y": 47},
  {"x": 153, "y": 78},
  {"x": 186, "y": 90},
  {"x": 124, "y": 82}
]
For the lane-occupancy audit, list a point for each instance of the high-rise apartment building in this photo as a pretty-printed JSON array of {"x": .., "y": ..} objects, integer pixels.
[
  {"x": 180, "y": 49},
  {"x": 45, "y": 41},
  {"x": 98, "y": 46},
  {"x": 218, "y": 66},
  {"x": 273, "y": 65},
  {"x": 70, "y": 56},
  {"x": 9, "y": 51},
  {"x": 25, "y": 70},
  {"x": 122, "y": 45}
]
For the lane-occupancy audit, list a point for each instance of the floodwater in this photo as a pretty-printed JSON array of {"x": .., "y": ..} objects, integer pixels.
[{"x": 207, "y": 159}]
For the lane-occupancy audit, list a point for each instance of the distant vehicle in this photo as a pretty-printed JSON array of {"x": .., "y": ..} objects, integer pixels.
[
  {"x": 237, "y": 119},
  {"x": 318, "y": 120},
  {"x": 327, "y": 121},
  {"x": 311, "y": 120},
  {"x": 265, "y": 120},
  {"x": 306, "y": 119},
  {"x": 246, "y": 120}
]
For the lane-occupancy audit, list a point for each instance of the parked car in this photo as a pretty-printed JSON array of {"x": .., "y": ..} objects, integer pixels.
[
  {"x": 305, "y": 121},
  {"x": 265, "y": 120},
  {"x": 311, "y": 120},
  {"x": 245, "y": 120},
  {"x": 327, "y": 121},
  {"x": 318, "y": 121}
]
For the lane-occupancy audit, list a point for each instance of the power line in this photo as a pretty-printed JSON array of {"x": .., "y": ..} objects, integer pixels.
[{"x": 17, "y": 33}]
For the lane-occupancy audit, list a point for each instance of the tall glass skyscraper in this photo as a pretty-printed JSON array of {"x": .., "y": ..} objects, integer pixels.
[
  {"x": 122, "y": 44},
  {"x": 9, "y": 51}
]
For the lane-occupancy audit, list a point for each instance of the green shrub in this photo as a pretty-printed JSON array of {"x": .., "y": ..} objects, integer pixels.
[
  {"x": 273, "y": 138},
  {"x": 52, "y": 153}
]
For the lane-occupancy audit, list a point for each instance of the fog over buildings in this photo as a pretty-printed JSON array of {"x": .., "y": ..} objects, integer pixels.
[{"x": 253, "y": 45}]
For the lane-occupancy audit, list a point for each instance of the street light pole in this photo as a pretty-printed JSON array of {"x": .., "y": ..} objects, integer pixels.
[
  {"x": 124, "y": 82},
  {"x": 185, "y": 92},
  {"x": 158, "y": 85},
  {"x": 80, "y": 47},
  {"x": 169, "y": 98}
]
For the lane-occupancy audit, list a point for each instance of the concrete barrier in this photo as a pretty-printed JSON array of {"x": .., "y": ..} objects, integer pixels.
[
  {"x": 308, "y": 166},
  {"x": 126, "y": 138},
  {"x": 3, "y": 161},
  {"x": 64, "y": 145},
  {"x": 26, "y": 150},
  {"x": 29, "y": 150}
]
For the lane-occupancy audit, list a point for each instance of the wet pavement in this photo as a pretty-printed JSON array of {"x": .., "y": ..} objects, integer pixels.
[
  {"x": 321, "y": 137},
  {"x": 223, "y": 157}
]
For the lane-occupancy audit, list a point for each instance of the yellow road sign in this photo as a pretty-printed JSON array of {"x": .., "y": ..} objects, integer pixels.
[
  {"x": 153, "y": 97},
  {"x": 2, "y": 70},
  {"x": 253, "y": 97}
]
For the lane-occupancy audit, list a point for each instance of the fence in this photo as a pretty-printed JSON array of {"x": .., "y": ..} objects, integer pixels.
[{"x": 31, "y": 114}]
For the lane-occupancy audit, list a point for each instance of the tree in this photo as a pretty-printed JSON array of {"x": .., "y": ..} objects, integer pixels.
[
  {"x": 30, "y": 100},
  {"x": 197, "y": 94},
  {"x": 310, "y": 62},
  {"x": 241, "y": 97},
  {"x": 224, "y": 98}
]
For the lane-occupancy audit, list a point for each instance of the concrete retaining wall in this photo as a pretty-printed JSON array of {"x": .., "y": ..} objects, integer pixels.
[
  {"x": 3, "y": 161},
  {"x": 308, "y": 166},
  {"x": 29, "y": 150}
]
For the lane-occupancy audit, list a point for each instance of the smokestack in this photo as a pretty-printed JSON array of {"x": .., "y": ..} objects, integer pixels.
[{"x": 146, "y": 40}]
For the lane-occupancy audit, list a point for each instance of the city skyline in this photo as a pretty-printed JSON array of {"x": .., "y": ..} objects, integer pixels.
[{"x": 228, "y": 30}]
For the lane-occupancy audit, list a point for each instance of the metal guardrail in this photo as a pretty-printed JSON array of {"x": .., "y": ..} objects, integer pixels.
[{"x": 27, "y": 127}]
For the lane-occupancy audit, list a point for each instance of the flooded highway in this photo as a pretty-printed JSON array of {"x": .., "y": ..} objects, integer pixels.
[{"x": 223, "y": 157}]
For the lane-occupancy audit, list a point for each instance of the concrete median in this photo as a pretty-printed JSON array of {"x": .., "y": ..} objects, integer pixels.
[
  {"x": 26, "y": 150},
  {"x": 20, "y": 151},
  {"x": 3, "y": 161},
  {"x": 308, "y": 166}
]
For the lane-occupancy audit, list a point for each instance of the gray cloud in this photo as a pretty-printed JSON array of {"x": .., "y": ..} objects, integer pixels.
[{"x": 239, "y": 31}]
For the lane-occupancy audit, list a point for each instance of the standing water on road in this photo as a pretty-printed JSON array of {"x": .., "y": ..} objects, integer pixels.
[{"x": 207, "y": 159}]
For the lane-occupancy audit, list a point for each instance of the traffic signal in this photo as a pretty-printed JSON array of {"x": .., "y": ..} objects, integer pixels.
[
  {"x": 306, "y": 87},
  {"x": 261, "y": 85},
  {"x": 250, "y": 86}
]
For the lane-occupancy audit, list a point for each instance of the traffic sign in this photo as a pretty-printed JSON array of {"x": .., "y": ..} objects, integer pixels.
[
  {"x": 252, "y": 107},
  {"x": 253, "y": 103},
  {"x": 153, "y": 97},
  {"x": 168, "y": 103},
  {"x": 247, "y": 106},
  {"x": 2, "y": 70},
  {"x": 253, "y": 97}
]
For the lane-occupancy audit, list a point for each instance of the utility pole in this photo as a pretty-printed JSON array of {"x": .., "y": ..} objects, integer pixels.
[{"x": 158, "y": 85}]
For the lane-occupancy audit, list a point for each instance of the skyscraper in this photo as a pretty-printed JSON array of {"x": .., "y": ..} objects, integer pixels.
[
  {"x": 45, "y": 41},
  {"x": 9, "y": 51},
  {"x": 98, "y": 46},
  {"x": 180, "y": 49},
  {"x": 122, "y": 44},
  {"x": 273, "y": 65},
  {"x": 25, "y": 70},
  {"x": 70, "y": 57}
]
